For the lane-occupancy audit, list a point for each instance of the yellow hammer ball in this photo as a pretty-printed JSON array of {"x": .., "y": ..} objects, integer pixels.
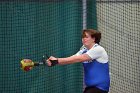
[{"x": 26, "y": 66}]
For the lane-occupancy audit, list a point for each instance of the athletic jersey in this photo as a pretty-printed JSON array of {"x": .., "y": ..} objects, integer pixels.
[{"x": 96, "y": 71}]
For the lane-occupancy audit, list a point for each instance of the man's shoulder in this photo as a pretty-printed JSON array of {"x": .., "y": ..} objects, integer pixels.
[{"x": 98, "y": 47}]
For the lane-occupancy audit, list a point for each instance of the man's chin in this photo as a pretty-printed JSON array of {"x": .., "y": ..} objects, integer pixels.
[{"x": 85, "y": 45}]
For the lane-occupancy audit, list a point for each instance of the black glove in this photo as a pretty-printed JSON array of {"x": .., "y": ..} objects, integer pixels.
[{"x": 54, "y": 62}]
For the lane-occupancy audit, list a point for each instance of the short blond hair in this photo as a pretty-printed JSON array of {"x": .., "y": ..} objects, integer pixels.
[{"x": 93, "y": 33}]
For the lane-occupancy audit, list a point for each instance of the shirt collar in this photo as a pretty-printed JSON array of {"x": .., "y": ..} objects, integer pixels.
[{"x": 95, "y": 45}]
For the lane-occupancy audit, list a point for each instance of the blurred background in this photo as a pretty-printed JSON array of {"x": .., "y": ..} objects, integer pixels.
[{"x": 32, "y": 28}]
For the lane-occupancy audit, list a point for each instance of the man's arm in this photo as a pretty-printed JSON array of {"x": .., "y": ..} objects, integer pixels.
[{"x": 70, "y": 60}]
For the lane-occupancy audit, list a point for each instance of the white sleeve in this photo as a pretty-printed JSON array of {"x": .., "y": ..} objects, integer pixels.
[
  {"x": 82, "y": 49},
  {"x": 95, "y": 52}
]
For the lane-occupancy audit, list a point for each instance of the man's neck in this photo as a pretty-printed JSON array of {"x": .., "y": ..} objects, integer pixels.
[{"x": 89, "y": 47}]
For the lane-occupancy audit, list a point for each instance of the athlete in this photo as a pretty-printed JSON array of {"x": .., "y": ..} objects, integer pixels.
[{"x": 95, "y": 62}]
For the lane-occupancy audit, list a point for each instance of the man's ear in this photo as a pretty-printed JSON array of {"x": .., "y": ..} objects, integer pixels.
[{"x": 93, "y": 39}]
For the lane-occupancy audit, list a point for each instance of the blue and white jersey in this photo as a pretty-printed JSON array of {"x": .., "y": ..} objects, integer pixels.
[{"x": 96, "y": 70}]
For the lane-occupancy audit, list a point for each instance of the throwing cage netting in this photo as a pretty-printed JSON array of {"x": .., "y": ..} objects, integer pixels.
[
  {"x": 119, "y": 22},
  {"x": 32, "y": 28}
]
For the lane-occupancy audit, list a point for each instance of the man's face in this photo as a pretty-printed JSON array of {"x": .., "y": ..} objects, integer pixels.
[{"x": 88, "y": 41}]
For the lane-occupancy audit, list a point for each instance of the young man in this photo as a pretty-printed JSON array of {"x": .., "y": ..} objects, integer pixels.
[
  {"x": 94, "y": 59},
  {"x": 95, "y": 62}
]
